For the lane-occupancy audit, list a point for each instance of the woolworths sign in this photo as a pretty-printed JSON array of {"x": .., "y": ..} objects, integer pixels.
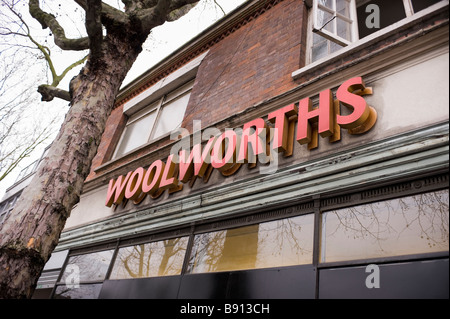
[{"x": 255, "y": 141}]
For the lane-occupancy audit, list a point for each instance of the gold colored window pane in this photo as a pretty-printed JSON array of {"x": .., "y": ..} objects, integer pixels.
[
  {"x": 409, "y": 225},
  {"x": 162, "y": 258},
  {"x": 274, "y": 244}
]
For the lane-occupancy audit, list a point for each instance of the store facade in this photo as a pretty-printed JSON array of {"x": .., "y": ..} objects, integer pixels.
[{"x": 309, "y": 160}]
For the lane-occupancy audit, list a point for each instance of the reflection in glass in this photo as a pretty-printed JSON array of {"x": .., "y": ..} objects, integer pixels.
[
  {"x": 81, "y": 292},
  {"x": 409, "y": 225},
  {"x": 319, "y": 48},
  {"x": 343, "y": 7},
  {"x": 162, "y": 258},
  {"x": 343, "y": 29},
  {"x": 171, "y": 115},
  {"x": 88, "y": 267},
  {"x": 136, "y": 133},
  {"x": 274, "y": 244},
  {"x": 324, "y": 19},
  {"x": 322, "y": 47}
]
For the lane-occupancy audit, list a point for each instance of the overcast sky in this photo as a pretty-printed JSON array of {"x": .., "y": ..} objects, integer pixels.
[{"x": 163, "y": 40}]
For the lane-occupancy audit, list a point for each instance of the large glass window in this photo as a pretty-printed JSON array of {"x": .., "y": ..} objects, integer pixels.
[
  {"x": 158, "y": 119},
  {"x": 161, "y": 258},
  {"x": 90, "y": 267},
  {"x": 137, "y": 132},
  {"x": 408, "y": 225},
  {"x": 273, "y": 244},
  {"x": 337, "y": 23},
  {"x": 83, "y": 275}
]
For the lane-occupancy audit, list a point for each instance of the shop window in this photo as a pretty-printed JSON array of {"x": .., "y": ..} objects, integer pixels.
[
  {"x": 84, "y": 291},
  {"x": 154, "y": 121},
  {"x": 161, "y": 258},
  {"x": 83, "y": 276},
  {"x": 337, "y": 23},
  {"x": 403, "y": 226},
  {"x": 277, "y": 243}
]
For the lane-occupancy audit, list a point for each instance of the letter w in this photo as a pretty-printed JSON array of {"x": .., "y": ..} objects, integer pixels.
[
  {"x": 197, "y": 163},
  {"x": 116, "y": 190}
]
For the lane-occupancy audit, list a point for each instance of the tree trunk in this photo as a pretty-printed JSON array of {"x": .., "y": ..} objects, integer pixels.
[{"x": 32, "y": 230}]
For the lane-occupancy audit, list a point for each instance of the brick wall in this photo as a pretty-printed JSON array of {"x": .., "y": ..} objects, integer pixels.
[{"x": 249, "y": 66}]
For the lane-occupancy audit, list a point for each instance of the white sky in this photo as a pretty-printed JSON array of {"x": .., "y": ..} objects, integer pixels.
[{"x": 163, "y": 40}]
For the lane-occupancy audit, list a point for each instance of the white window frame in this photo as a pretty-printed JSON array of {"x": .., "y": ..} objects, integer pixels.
[
  {"x": 154, "y": 106},
  {"x": 320, "y": 29},
  {"x": 166, "y": 100}
]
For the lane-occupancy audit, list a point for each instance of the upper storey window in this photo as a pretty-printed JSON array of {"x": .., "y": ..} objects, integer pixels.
[
  {"x": 159, "y": 110},
  {"x": 156, "y": 120},
  {"x": 337, "y": 23}
]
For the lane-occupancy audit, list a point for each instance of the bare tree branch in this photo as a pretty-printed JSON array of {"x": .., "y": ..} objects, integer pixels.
[
  {"x": 70, "y": 67},
  {"x": 153, "y": 16},
  {"x": 24, "y": 154},
  {"x": 94, "y": 28},
  {"x": 110, "y": 15},
  {"x": 180, "y": 8},
  {"x": 163, "y": 11},
  {"x": 82, "y": 4},
  {"x": 150, "y": 3},
  {"x": 49, "y": 92},
  {"x": 49, "y": 21},
  {"x": 220, "y": 7}
]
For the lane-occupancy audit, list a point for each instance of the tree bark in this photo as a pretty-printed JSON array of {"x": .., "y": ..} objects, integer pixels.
[{"x": 26, "y": 241}]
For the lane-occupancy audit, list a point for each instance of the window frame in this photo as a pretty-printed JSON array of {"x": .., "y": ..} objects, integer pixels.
[
  {"x": 157, "y": 106},
  {"x": 80, "y": 252},
  {"x": 316, "y": 28},
  {"x": 313, "y": 26},
  {"x": 276, "y": 263},
  {"x": 327, "y": 254},
  {"x": 149, "y": 245}
]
